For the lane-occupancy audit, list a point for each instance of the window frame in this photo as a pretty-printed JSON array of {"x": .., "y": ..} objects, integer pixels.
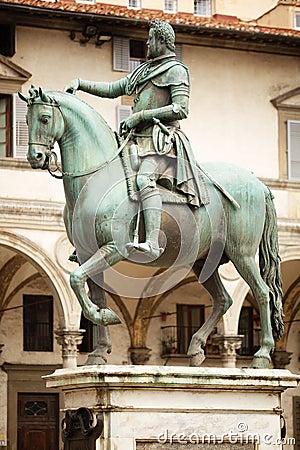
[
  {"x": 185, "y": 328},
  {"x": 137, "y": 6},
  {"x": 210, "y": 8},
  {"x": 36, "y": 299},
  {"x": 290, "y": 159},
  {"x": 8, "y": 124},
  {"x": 288, "y": 108},
  {"x": 296, "y": 14},
  {"x": 173, "y": 10}
]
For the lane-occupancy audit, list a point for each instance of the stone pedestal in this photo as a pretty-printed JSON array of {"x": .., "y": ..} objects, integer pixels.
[{"x": 164, "y": 408}]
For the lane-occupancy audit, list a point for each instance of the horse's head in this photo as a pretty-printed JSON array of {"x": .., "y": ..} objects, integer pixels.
[{"x": 45, "y": 126}]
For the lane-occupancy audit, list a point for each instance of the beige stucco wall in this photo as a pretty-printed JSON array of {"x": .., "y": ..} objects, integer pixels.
[
  {"x": 281, "y": 17},
  {"x": 243, "y": 9}
]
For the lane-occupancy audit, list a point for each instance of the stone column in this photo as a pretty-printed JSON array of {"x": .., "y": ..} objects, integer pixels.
[
  {"x": 69, "y": 340},
  {"x": 228, "y": 345},
  {"x": 281, "y": 359}
]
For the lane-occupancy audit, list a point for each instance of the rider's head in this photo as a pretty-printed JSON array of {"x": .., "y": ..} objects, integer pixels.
[{"x": 163, "y": 34}]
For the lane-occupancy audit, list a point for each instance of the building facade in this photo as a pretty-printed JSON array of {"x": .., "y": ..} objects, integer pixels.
[{"x": 243, "y": 58}]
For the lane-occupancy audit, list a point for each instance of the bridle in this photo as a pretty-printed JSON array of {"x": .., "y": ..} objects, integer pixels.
[
  {"x": 50, "y": 154},
  {"x": 50, "y": 145}
]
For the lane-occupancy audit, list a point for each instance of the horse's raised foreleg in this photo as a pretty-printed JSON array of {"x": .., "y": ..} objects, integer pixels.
[
  {"x": 250, "y": 272},
  {"x": 103, "y": 345},
  {"x": 106, "y": 256},
  {"x": 221, "y": 302}
]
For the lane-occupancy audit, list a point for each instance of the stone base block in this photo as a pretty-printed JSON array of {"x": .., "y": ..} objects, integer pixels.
[{"x": 170, "y": 408}]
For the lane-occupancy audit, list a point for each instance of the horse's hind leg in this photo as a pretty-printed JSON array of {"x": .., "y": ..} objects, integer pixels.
[
  {"x": 250, "y": 272},
  {"x": 106, "y": 256},
  {"x": 221, "y": 302},
  {"x": 103, "y": 345}
]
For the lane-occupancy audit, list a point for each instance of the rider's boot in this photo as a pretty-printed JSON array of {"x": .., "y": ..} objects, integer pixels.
[{"x": 151, "y": 206}]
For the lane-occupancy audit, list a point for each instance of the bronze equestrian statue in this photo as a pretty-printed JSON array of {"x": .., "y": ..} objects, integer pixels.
[
  {"x": 161, "y": 88},
  {"x": 238, "y": 220}
]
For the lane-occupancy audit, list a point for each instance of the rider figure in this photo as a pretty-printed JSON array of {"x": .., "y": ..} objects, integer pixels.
[{"x": 161, "y": 87}]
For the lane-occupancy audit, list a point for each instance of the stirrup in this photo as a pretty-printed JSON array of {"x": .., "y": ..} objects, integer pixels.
[{"x": 147, "y": 248}]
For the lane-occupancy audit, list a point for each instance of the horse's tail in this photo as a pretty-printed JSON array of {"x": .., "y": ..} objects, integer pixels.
[{"x": 269, "y": 263}]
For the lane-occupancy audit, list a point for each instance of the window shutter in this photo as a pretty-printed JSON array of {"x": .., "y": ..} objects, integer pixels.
[
  {"x": 121, "y": 54},
  {"x": 20, "y": 128},
  {"x": 178, "y": 52},
  {"x": 123, "y": 111},
  {"x": 293, "y": 134}
]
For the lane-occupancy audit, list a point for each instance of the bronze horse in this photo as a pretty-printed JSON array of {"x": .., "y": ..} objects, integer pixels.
[{"x": 99, "y": 217}]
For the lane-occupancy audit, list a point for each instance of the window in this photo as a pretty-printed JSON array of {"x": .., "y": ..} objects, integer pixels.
[
  {"x": 297, "y": 21},
  {"x": 130, "y": 53},
  {"x": 7, "y": 39},
  {"x": 170, "y": 6},
  {"x": 189, "y": 319},
  {"x": 288, "y": 107},
  {"x": 13, "y": 128},
  {"x": 202, "y": 8},
  {"x": 38, "y": 323},
  {"x": 293, "y": 145},
  {"x": 249, "y": 327},
  {"x": 134, "y": 4},
  {"x": 5, "y": 125}
]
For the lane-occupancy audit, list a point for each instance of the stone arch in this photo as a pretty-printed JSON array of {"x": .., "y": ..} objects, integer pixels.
[{"x": 43, "y": 263}]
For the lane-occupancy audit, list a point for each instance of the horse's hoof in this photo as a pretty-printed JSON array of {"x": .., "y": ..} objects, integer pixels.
[
  {"x": 108, "y": 317},
  {"x": 197, "y": 359},
  {"x": 261, "y": 362}
]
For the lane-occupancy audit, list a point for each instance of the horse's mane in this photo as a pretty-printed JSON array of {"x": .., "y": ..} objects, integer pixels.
[{"x": 85, "y": 115}]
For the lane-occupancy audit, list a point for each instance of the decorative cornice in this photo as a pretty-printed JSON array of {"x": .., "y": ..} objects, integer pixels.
[
  {"x": 28, "y": 213},
  {"x": 285, "y": 185}
]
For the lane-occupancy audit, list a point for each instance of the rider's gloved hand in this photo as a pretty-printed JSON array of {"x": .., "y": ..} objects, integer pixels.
[
  {"x": 73, "y": 86},
  {"x": 131, "y": 122}
]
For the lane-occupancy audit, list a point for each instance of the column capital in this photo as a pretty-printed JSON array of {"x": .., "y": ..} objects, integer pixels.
[
  {"x": 228, "y": 345},
  {"x": 139, "y": 355},
  {"x": 281, "y": 359},
  {"x": 69, "y": 340}
]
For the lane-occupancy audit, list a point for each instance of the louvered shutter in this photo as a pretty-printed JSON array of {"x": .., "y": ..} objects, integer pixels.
[
  {"x": 3, "y": 125},
  {"x": 293, "y": 134},
  {"x": 178, "y": 52},
  {"x": 121, "y": 54},
  {"x": 20, "y": 128},
  {"x": 123, "y": 111}
]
